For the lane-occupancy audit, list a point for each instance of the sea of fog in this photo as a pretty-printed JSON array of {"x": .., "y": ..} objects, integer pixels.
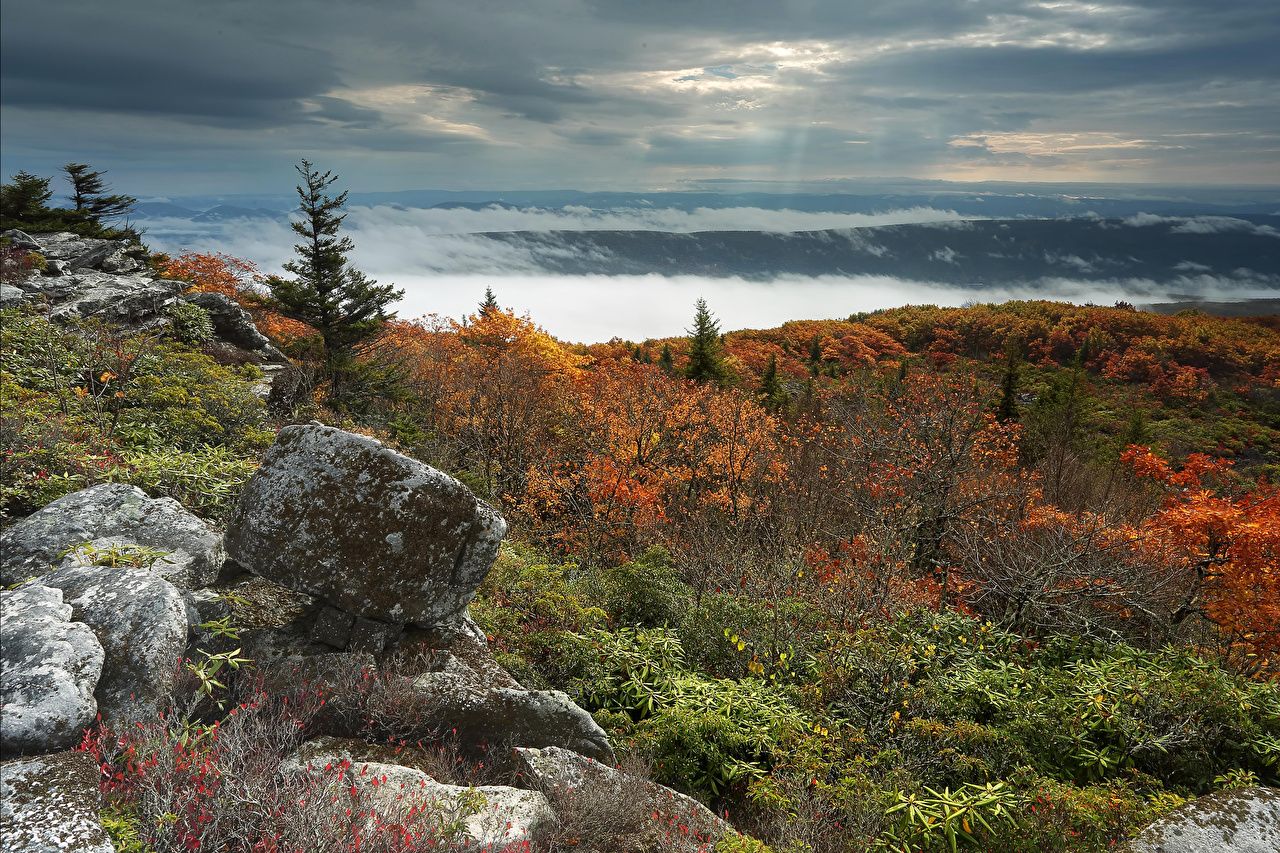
[{"x": 444, "y": 269}]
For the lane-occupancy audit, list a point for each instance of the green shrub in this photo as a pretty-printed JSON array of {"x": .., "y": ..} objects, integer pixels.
[
  {"x": 206, "y": 480},
  {"x": 705, "y": 736},
  {"x": 90, "y": 403},
  {"x": 529, "y": 608},
  {"x": 645, "y": 591},
  {"x": 190, "y": 324}
]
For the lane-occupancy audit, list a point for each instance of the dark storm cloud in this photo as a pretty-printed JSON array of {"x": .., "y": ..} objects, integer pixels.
[
  {"x": 618, "y": 92},
  {"x": 94, "y": 57}
]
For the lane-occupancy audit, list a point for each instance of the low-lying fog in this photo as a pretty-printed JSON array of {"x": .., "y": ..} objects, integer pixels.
[{"x": 444, "y": 269}]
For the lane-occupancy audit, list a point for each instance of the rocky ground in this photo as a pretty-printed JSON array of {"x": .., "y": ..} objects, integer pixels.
[
  {"x": 85, "y": 278},
  {"x": 343, "y": 555}
]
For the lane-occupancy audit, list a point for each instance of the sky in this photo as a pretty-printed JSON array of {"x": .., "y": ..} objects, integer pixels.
[{"x": 177, "y": 97}]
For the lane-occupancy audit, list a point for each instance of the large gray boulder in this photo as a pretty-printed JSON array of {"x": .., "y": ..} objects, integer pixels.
[
  {"x": 371, "y": 532},
  {"x": 49, "y": 667},
  {"x": 497, "y": 716},
  {"x": 22, "y": 240},
  {"x": 141, "y": 622},
  {"x": 232, "y": 324},
  {"x": 113, "y": 513},
  {"x": 1243, "y": 821},
  {"x": 652, "y": 816},
  {"x": 50, "y": 805},
  {"x": 490, "y": 817},
  {"x": 11, "y": 296},
  {"x": 129, "y": 300},
  {"x": 80, "y": 252}
]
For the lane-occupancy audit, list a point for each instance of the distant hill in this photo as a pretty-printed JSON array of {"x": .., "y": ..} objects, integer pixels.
[
  {"x": 225, "y": 211},
  {"x": 474, "y": 205},
  {"x": 977, "y": 252},
  {"x": 162, "y": 210},
  {"x": 1243, "y": 308}
]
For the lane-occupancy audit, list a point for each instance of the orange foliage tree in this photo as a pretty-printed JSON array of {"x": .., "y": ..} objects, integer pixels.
[
  {"x": 1226, "y": 546},
  {"x": 239, "y": 280}
]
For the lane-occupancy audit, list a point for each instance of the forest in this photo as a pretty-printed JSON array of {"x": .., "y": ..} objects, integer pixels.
[{"x": 1000, "y": 576}]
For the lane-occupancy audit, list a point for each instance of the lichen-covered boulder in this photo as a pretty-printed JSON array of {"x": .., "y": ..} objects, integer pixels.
[
  {"x": 50, "y": 804},
  {"x": 49, "y": 667},
  {"x": 141, "y": 622},
  {"x": 113, "y": 513},
  {"x": 1243, "y": 821},
  {"x": 366, "y": 529},
  {"x": 133, "y": 300},
  {"x": 232, "y": 324},
  {"x": 664, "y": 819},
  {"x": 503, "y": 715},
  {"x": 490, "y": 817}
]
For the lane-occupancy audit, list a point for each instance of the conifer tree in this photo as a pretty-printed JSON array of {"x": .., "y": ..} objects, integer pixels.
[
  {"x": 90, "y": 197},
  {"x": 327, "y": 292},
  {"x": 666, "y": 361},
  {"x": 706, "y": 359},
  {"x": 1008, "y": 408},
  {"x": 771, "y": 386},
  {"x": 24, "y": 199},
  {"x": 490, "y": 303},
  {"x": 815, "y": 355}
]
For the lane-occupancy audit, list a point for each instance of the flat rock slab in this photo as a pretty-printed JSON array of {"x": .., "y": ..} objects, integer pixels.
[
  {"x": 667, "y": 819},
  {"x": 1244, "y": 821},
  {"x": 113, "y": 513},
  {"x": 489, "y": 816},
  {"x": 368, "y": 530},
  {"x": 50, "y": 805},
  {"x": 49, "y": 667}
]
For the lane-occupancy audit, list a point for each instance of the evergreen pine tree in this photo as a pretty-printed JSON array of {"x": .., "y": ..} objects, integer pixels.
[
  {"x": 327, "y": 293},
  {"x": 666, "y": 361},
  {"x": 1008, "y": 408},
  {"x": 1136, "y": 431},
  {"x": 815, "y": 355},
  {"x": 706, "y": 361},
  {"x": 90, "y": 197},
  {"x": 771, "y": 386},
  {"x": 24, "y": 200},
  {"x": 490, "y": 303}
]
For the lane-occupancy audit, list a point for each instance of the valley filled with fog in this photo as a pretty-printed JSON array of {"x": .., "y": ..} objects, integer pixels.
[{"x": 634, "y": 271}]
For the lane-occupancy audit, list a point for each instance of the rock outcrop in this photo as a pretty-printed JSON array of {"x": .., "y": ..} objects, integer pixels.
[
  {"x": 113, "y": 513},
  {"x": 672, "y": 820},
  {"x": 232, "y": 324},
  {"x": 488, "y": 816},
  {"x": 357, "y": 557},
  {"x": 51, "y": 804},
  {"x": 504, "y": 715},
  {"x": 1244, "y": 821},
  {"x": 142, "y": 624},
  {"x": 109, "y": 280},
  {"x": 50, "y": 667},
  {"x": 371, "y": 532}
]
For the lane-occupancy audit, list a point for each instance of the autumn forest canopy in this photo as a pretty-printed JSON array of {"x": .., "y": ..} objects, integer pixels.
[{"x": 842, "y": 580}]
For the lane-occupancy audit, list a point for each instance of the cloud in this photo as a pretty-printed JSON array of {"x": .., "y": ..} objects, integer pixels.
[
  {"x": 1201, "y": 224},
  {"x": 596, "y": 308},
  {"x": 614, "y": 93},
  {"x": 393, "y": 237},
  {"x": 443, "y": 264}
]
